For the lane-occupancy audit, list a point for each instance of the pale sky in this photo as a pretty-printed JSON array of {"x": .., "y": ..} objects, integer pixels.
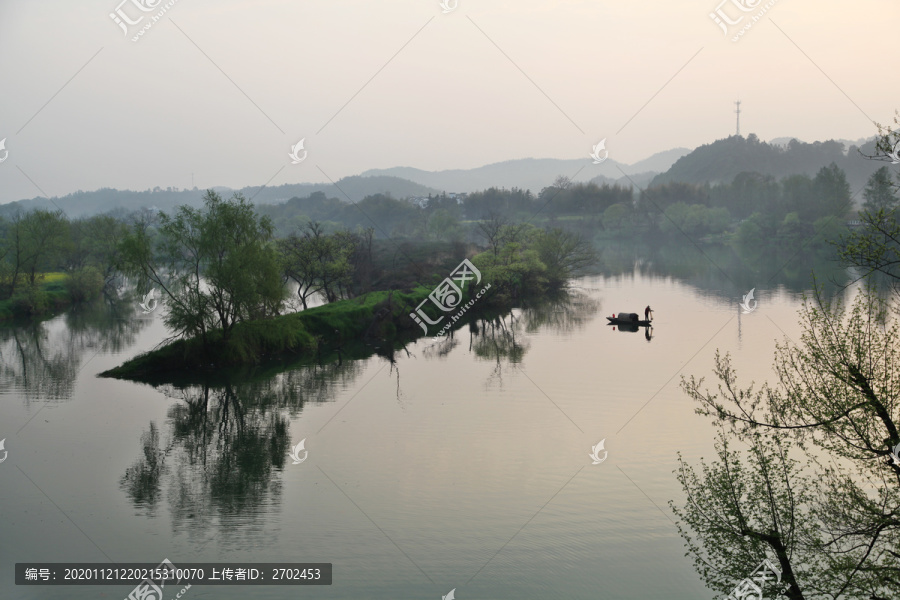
[{"x": 223, "y": 89}]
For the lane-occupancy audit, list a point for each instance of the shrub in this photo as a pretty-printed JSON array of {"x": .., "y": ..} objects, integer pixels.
[
  {"x": 84, "y": 284},
  {"x": 30, "y": 300}
]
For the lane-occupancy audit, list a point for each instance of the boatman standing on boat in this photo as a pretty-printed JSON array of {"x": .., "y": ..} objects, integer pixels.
[{"x": 647, "y": 313}]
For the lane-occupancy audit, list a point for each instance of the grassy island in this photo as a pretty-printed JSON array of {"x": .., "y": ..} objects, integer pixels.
[{"x": 382, "y": 315}]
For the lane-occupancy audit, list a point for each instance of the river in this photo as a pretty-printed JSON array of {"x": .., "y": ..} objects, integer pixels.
[{"x": 462, "y": 464}]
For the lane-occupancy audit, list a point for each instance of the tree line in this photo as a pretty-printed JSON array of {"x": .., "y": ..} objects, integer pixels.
[
  {"x": 222, "y": 264},
  {"x": 39, "y": 242},
  {"x": 328, "y": 247},
  {"x": 756, "y": 208}
]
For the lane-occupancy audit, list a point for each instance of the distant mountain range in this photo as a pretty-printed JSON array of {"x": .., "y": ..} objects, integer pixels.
[
  {"x": 532, "y": 173},
  {"x": 80, "y": 204},
  {"x": 717, "y": 162}
]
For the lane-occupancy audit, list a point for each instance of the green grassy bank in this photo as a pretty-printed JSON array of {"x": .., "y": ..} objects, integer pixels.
[
  {"x": 52, "y": 295},
  {"x": 381, "y": 315}
]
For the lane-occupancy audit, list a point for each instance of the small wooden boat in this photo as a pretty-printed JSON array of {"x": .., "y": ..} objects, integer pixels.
[{"x": 627, "y": 319}]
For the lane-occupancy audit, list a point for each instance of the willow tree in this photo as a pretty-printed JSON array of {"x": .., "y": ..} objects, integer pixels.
[
  {"x": 319, "y": 263},
  {"x": 215, "y": 266}
]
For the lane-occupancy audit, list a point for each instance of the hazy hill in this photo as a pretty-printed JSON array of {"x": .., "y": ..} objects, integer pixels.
[
  {"x": 722, "y": 160},
  {"x": 531, "y": 173},
  {"x": 784, "y": 141},
  {"x": 354, "y": 188},
  {"x": 717, "y": 162},
  {"x": 659, "y": 162},
  {"x": 80, "y": 204}
]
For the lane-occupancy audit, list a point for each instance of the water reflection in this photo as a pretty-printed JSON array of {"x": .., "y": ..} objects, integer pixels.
[
  {"x": 732, "y": 270},
  {"x": 563, "y": 314},
  {"x": 43, "y": 358},
  {"x": 500, "y": 338},
  {"x": 226, "y": 441}
]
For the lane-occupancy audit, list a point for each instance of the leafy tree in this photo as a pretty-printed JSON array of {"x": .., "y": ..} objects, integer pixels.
[
  {"x": 35, "y": 241},
  {"x": 94, "y": 243},
  {"x": 828, "y": 229},
  {"x": 887, "y": 137},
  {"x": 791, "y": 230},
  {"x": 616, "y": 218},
  {"x": 718, "y": 219},
  {"x": 513, "y": 272},
  {"x": 836, "y": 398},
  {"x": 875, "y": 247},
  {"x": 697, "y": 219},
  {"x": 299, "y": 265},
  {"x": 215, "y": 265},
  {"x": 743, "y": 508},
  {"x": 564, "y": 253},
  {"x": 674, "y": 218},
  {"x": 318, "y": 262},
  {"x": 747, "y": 193},
  {"x": 84, "y": 283},
  {"x": 798, "y": 196},
  {"x": 490, "y": 229},
  {"x": 444, "y": 225},
  {"x": 832, "y": 193},
  {"x": 879, "y": 193}
]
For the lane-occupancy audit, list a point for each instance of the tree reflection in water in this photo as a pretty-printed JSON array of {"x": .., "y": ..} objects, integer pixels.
[
  {"x": 226, "y": 441},
  {"x": 41, "y": 359},
  {"x": 501, "y": 337}
]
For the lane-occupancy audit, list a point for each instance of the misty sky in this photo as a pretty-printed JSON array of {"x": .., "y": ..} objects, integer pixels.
[{"x": 223, "y": 89}]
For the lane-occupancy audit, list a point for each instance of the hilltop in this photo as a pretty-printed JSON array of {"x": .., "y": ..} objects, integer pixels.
[
  {"x": 722, "y": 160},
  {"x": 533, "y": 173}
]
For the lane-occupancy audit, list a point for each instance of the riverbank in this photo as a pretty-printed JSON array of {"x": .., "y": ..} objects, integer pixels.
[
  {"x": 382, "y": 315},
  {"x": 51, "y": 297}
]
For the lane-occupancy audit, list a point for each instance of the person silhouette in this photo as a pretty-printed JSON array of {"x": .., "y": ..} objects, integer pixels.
[
  {"x": 647, "y": 335},
  {"x": 647, "y": 313}
]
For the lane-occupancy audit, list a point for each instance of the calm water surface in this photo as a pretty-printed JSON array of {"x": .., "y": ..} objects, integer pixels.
[{"x": 460, "y": 464}]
